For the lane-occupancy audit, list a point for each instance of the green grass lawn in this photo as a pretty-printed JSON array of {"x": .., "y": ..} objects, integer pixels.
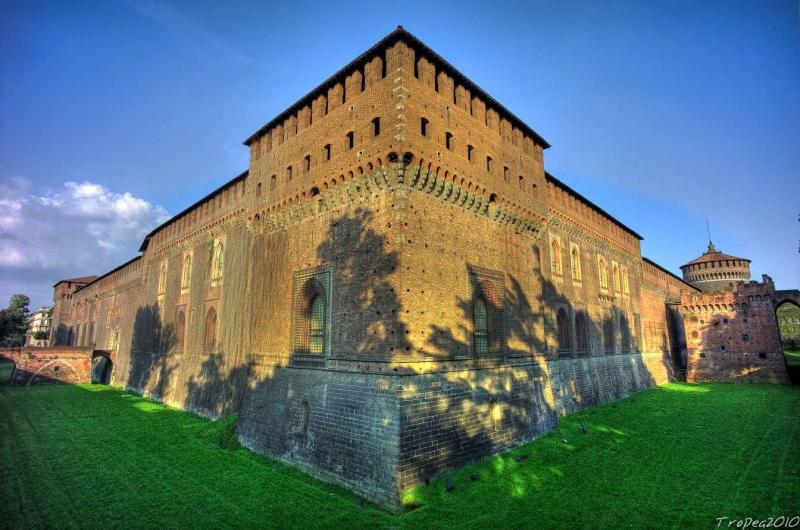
[
  {"x": 6, "y": 371},
  {"x": 792, "y": 357},
  {"x": 675, "y": 456}
]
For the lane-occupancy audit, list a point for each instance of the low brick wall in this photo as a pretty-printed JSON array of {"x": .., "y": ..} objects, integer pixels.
[
  {"x": 737, "y": 367},
  {"x": 50, "y": 365}
]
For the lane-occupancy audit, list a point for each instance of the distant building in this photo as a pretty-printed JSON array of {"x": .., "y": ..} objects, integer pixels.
[
  {"x": 39, "y": 326},
  {"x": 731, "y": 325},
  {"x": 62, "y": 329}
]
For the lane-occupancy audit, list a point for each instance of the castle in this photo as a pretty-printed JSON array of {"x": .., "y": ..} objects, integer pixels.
[{"x": 396, "y": 286}]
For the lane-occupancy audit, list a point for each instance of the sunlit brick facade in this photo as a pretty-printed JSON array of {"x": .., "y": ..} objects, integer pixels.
[{"x": 394, "y": 287}]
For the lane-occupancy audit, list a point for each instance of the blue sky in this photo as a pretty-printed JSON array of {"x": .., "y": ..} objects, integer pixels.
[{"x": 115, "y": 114}]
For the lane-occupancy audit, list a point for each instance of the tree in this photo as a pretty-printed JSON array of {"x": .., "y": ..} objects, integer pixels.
[{"x": 14, "y": 321}]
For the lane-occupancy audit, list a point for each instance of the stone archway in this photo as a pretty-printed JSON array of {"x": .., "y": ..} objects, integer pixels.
[
  {"x": 787, "y": 315},
  {"x": 102, "y": 367}
]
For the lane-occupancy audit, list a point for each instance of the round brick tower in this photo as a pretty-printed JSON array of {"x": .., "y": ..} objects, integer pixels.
[{"x": 715, "y": 271}]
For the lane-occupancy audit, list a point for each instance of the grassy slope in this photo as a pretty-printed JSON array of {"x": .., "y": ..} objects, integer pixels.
[
  {"x": 6, "y": 371},
  {"x": 679, "y": 455},
  {"x": 792, "y": 357}
]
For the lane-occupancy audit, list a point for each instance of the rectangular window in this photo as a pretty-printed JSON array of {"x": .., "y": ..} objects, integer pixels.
[
  {"x": 289, "y": 173},
  {"x": 489, "y": 164},
  {"x": 307, "y": 162},
  {"x": 470, "y": 152},
  {"x": 376, "y": 126},
  {"x": 505, "y": 173},
  {"x": 351, "y": 140},
  {"x": 448, "y": 140},
  {"x": 423, "y": 124},
  {"x": 328, "y": 152}
]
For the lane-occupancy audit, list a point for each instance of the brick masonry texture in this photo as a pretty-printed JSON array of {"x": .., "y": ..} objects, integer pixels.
[
  {"x": 414, "y": 203},
  {"x": 34, "y": 366}
]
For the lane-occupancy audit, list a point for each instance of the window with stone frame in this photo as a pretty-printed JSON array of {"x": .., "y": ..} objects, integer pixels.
[
  {"x": 625, "y": 333},
  {"x": 563, "y": 332},
  {"x": 186, "y": 274},
  {"x": 180, "y": 328},
  {"x": 581, "y": 333},
  {"x": 210, "y": 331},
  {"x": 487, "y": 311},
  {"x": 625, "y": 281},
  {"x": 602, "y": 272},
  {"x": 162, "y": 278},
  {"x": 609, "y": 340},
  {"x": 556, "y": 263},
  {"x": 311, "y": 314},
  {"x": 575, "y": 262},
  {"x": 616, "y": 276},
  {"x": 217, "y": 260}
]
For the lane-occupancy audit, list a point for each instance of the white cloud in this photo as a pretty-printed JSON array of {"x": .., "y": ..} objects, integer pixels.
[{"x": 83, "y": 228}]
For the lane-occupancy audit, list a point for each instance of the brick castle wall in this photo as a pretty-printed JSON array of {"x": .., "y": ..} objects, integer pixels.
[{"x": 401, "y": 232}]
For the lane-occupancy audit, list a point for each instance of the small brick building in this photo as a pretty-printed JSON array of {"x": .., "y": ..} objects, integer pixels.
[
  {"x": 394, "y": 287},
  {"x": 731, "y": 326}
]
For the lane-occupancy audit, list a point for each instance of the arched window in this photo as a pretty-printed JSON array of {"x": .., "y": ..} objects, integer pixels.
[
  {"x": 218, "y": 261},
  {"x": 470, "y": 153},
  {"x": 609, "y": 344},
  {"x": 487, "y": 322},
  {"x": 575, "y": 263},
  {"x": 481, "y": 318},
  {"x": 304, "y": 415},
  {"x": 555, "y": 258},
  {"x": 210, "y": 331},
  {"x": 617, "y": 281},
  {"x": 563, "y": 331},
  {"x": 602, "y": 271},
  {"x": 423, "y": 126},
  {"x": 581, "y": 332},
  {"x": 162, "y": 278},
  {"x": 376, "y": 126},
  {"x": 311, "y": 330},
  {"x": 316, "y": 329},
  {"x": 448, "y": 140},
  {"x": 187, "y": 271},
  {"x": 180, "y": 329},
  {"x": 625, "y": 285},
  {"x": 625, "y": 333}
]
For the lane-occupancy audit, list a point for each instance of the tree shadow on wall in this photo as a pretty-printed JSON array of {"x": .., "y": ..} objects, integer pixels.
[{"x": 150, "y": 370}]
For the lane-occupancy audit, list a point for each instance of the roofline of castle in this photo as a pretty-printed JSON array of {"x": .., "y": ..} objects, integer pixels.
[
  {"x": 550, "y": 177},
  {"x": 188, "y": 209},
  {"x": 109, "y": 273},
  {"x": 662, "y": 269},
  {"x": 399, "y": 34}
]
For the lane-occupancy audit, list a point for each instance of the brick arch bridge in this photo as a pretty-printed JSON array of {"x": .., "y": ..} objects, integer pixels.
[
  {"x": 791, "y": 296},
  {"x": 61, "y": 364}
]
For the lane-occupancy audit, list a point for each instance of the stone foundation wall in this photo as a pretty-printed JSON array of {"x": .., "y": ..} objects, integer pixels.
[
  {"x": 338, "y": 426},
  {"x": 737, "y": 367},
  {"x": 380, "y": 434}
]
